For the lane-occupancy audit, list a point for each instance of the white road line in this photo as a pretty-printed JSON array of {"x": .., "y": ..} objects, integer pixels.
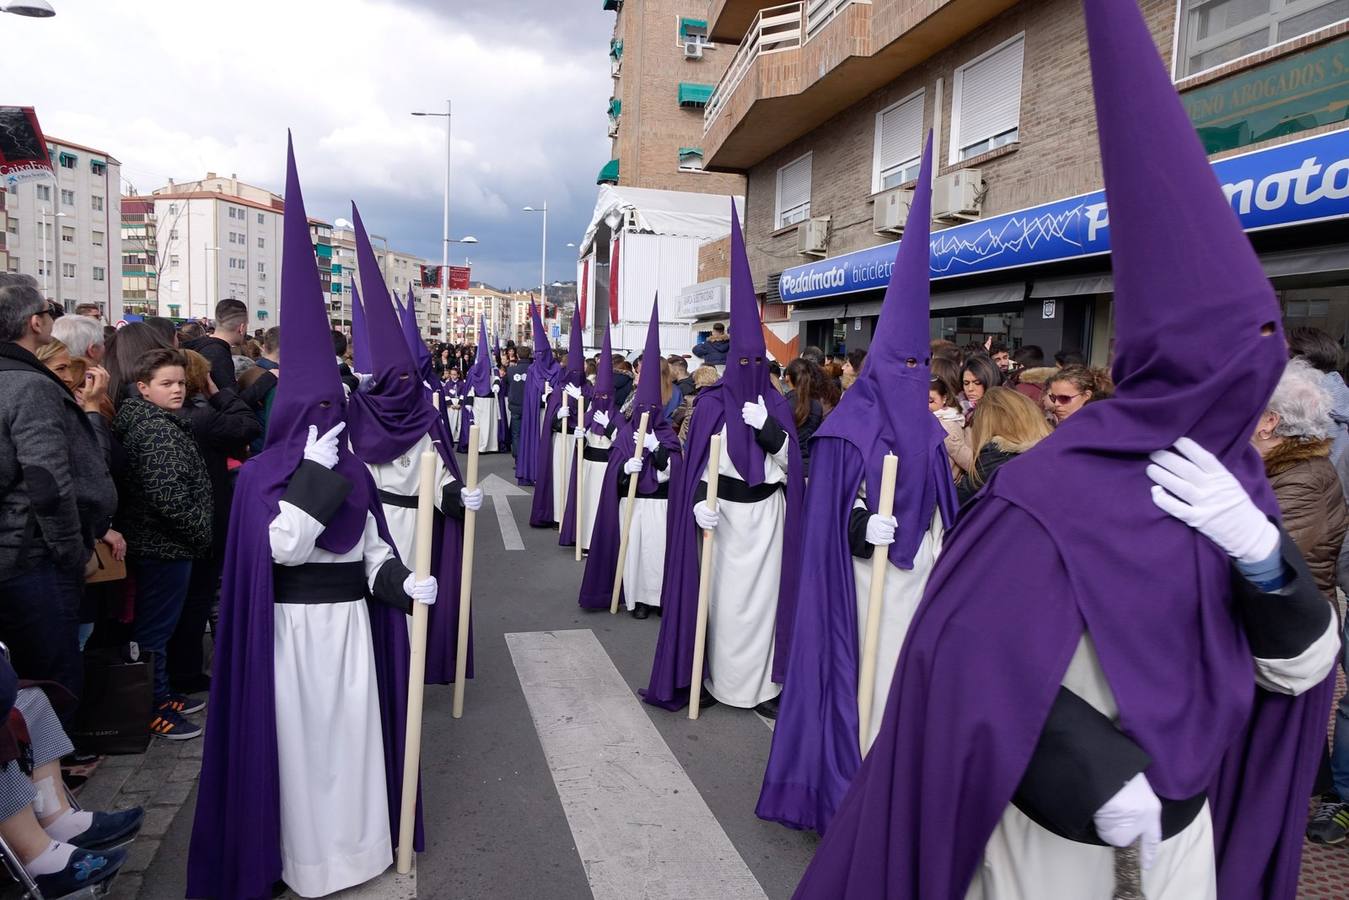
[
  {"x": 499, "y": 489},
  {"x": 641, "y": 828}
]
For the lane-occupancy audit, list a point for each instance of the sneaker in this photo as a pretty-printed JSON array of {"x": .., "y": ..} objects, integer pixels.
[
  {"x": 1329, "y": 823},
  {"x": 169, "y": 723},
  {"x": 110, "y": 830},
  {"x": 84, "y": 870},
  {"x": 185, "y": 705}
]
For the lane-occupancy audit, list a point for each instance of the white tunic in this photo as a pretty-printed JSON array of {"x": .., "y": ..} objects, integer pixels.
[
  {"x": 592, "y": 486},
  {"x": 563, "y": 467},
  {"x": 334, "y": 800},
  {"x": 486, "y": 411},
  {"x": 644, "y": 569},
  {"x": 1023, "y": 861},
  {"x": 743, "y": 604},
  {"x": 903, "y": 589},
  {"x": 401, "y": 477},
  {"x": 456, "y": 405}
]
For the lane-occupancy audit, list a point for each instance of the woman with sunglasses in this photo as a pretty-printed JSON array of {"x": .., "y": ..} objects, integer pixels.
[{"x": 1073, "y": 387}]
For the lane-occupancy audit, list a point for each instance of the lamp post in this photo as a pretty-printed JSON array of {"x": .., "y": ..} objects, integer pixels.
[
  {"x": 543, "y": 263},
  {"x": 206, "y": 273},
  {"x": 32, "y": 9},
  {"x": 445, "y": 279},
  {"x": 46, "y": 263},
  {"x": 445, "y": 228}
]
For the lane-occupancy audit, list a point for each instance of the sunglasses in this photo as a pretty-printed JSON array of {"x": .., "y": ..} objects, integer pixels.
[{"x": 1062, "y": 399}]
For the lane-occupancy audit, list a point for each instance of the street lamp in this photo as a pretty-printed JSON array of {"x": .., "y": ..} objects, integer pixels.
[
  {"x": 46, "y": 263},
  {"x": 206, "y": 276},
  {"x": 33, "y": 9},
  {"x": 543, "y": 265},
  {"x": 445, "y": 228}
]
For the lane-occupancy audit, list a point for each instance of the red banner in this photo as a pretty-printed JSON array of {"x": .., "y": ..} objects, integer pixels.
[
  {"x": 613, "y": 281},
  {"x": 585, "y": 283},
  {"x": 23, "y": 149},
  {"x": 459, "y": 278}
]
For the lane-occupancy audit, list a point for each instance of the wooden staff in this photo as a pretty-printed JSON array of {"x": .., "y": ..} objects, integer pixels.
[
  {"x": 435, "y": 400},
  {"x": 563, "y": 468},
  {"x": 1128, "y": 873},
  {"x": 466, "y": 580},
  {"x": 704, "y": 581},
  {"x": 579, "y": 453},
  {"x": 412, "y": 734},
  {"x": 627, "y": 517},
  {"x": 866, "y": 679}
]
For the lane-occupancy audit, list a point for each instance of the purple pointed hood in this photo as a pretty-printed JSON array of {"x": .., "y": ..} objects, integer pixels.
[
  {"x": 544, "y": 367},
  {"x": 746, "y": 376},
  {"x": 648, "y": 387},
  {"x": 421, "y": 356},
  {"x": 576, "y": 363},
  {"x": 886, "y": 410},
  {"x": 312, "y": 392},
  {"x": 360, "y": 337},
  {"x": 479, "y": 378},
  {"x": 602, "y": 398}
]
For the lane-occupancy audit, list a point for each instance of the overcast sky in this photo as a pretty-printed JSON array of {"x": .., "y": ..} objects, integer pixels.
[{"x": 176, "y": 88}]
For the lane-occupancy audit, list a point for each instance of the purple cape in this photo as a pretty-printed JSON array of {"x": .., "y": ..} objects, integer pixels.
[
  {"x": 235, "y": 852},
  {"x": 542, "y": 369},
  {"x": 673, "y": 663},
  {"x": 541, "y": 512}
]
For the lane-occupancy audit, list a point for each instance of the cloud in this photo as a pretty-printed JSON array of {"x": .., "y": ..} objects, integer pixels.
[{"x": 176, "y": 89}]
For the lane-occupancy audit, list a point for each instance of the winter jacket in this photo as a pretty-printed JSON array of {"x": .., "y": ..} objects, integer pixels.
[
  {"x": 56, "y": 496},
  {"x": 991, "y": 457},
  {"x": 805, "y": 432},
  {"x": 622, "y": 387},
  {"x": 1339, "y": 413},
  {"x": 1033, "y": 382},
  {"x": 221, "y": 357},
  {"x": 960, "y": 453},
  {"x": 223, "y": 427},
  {"x": 167, "y": 506},
  {"x": 713, "y": 351},
  {"x": 1312, "y": 504}
]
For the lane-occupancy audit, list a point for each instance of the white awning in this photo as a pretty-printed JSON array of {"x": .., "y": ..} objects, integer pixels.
[{"x": 676, "y": 213}]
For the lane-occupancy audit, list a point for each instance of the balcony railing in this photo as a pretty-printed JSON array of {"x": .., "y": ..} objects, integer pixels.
[{"x": 773, "y": 30}]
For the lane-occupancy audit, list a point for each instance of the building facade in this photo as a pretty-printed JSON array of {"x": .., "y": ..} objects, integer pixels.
[
  {"x": 66, "y": 231},
  {"x": 140, "y": 257},
  {"x": 400, "y": 270},
  {"x": 826, "y": 105}
]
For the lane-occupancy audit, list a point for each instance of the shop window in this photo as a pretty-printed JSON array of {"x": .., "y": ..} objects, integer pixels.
[
  {"x": 1214, "y": 32},
  {"x": 899, "y": 143},
  {"x": 986, "y": 109},
  {"x": 793, "y": 193}
]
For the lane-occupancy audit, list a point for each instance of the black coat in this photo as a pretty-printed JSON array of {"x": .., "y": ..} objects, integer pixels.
[
  {"x": 990, "y": 458},
  {"x": 223, "y": 427},
  {"x": 221, "y": 357},
  {"x": 166, "y": 509}
]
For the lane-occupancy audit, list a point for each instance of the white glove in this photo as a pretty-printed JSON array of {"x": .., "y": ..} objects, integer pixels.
[
  {"x": 496, "y": 388},
  {"x": 601, "y": 418},
  {"x": 364, "y": 381},
  {"x": 1195, "y": 487},
  {"x": 424, "y": 592},
  {"x": 563, "y": 412},
  {"x": 471, "y": 499},
  {"x": 632, "y": 466},
  {"x": 881, "y": 530},
  {"x": 323, "y": 450},
  {"x": 1133, "y": 814},
  {"x": 651, "y": 442},
  {"x": 706, "y": 517},
  {"x": 547, "y": 388},
  {"x": 572, "y": 391},
  {"x": 755, "y": 414}
]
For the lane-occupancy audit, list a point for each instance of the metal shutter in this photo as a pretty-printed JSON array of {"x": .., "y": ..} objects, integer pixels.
[
  {"x": 793, "y": 186},
  {"x": 990, "y": 95},
  {"x": 900, "y": 134}
]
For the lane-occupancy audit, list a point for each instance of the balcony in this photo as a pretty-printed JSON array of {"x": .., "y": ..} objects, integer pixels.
[{"x": 801, "y": 63}]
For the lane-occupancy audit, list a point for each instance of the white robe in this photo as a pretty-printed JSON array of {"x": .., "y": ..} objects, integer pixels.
[
  {"x": 401, "y": 477},
  {"x": 591, "y": 487},
  {"x": 644, "y": 569},
  {"x": 455, "y": 407},
  {"x": 903, "y": 589},
  {"x": 743, "y": 603},
  {"x": 563, "y": 467},
  {"x": 1023, "y": 861},
  {"x": 334, "y": 800},
  {"x": 486, "y": 411}
]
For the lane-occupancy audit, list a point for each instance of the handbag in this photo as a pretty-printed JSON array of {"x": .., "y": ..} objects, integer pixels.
[
  {"x": 118, "y": 699},
  {"x": 108, "y": 567}
]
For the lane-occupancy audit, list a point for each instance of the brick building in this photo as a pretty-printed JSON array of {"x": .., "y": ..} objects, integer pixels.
[{"x": 826, "y": 103}]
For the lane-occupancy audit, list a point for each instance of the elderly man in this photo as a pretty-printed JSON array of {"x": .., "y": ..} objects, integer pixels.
[
  {"x": 57, "y": 495},
  {"x": 82, "y": 335},
  {"x": 90, "y": 311}
]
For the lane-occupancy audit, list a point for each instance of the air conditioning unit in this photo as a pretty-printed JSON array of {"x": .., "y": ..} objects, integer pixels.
[
  {"x": 958, "y": 195},
  {"x": 693, "y": 49},
  {"x": 613, "y": 128},
  {"x": 812, "y": 237},
  {"x": 892, "y": 211}
]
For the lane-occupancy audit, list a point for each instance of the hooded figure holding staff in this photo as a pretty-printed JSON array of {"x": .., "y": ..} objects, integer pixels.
[
  {"x": 600, "y": 424},
  {"x": 480, "y": 399},
  {"x": 541, "y": 378},
  {"x": 554, "y": 452}
]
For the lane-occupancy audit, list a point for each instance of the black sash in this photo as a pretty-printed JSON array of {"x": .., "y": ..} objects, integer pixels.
[
  {"x": 596, "y": 454},
  {"x": 733, "y": 490},
  {"x": 319, "y": 582},
  {"x": 403, "y": 500}
]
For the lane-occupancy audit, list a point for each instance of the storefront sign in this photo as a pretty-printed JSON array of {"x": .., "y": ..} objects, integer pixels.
[
  {"x": 1301, "y": 181},
  {"x": 707, "y": 298},
  {"x": 1047, "y": 309},
  {"x": 1280, "y": 98}
]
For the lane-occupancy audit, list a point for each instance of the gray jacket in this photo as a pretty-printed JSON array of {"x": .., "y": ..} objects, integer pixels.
[
  {"x": 1339, "y": 413},
  {"x": 56, "y": 495}
]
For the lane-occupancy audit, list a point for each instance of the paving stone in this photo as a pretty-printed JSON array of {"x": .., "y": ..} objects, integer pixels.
[
  {"x": 127, "y": 799},
  {"x": 185, "y": 770},
  {"x": 140, "y": 853},
  {"x": 172, "y": 794},
  {"x": 126, "y": 886},
  {"x": 157, "y": 821}
]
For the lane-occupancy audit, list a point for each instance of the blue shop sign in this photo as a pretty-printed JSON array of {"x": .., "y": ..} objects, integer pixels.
[{"x": 1294, "y": 183}]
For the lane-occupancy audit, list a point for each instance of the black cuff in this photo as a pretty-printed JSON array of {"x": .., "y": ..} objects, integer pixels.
[
  {"x": 319, "y": 492},
  {"x": 660, "y": 458},
  {"x": 771, "y": 436},
  {"x": 389, "y": 585},
  {"x": 857, "y": 533},
  {"x": 450, "y": 502},
  {"x": 1081, "y": 760},
  {"x": 613, "y": 426},
  {"x": 1284, "y": 623}
]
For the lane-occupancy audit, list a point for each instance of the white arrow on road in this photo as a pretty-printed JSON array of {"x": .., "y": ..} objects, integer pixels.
[{"x": 499, "y": 489}]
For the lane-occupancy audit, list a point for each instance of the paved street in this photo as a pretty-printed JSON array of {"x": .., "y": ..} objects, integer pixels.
[{"x": 604, "y": 796}]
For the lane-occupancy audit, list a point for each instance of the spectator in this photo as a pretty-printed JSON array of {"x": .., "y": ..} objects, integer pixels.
[
  {"x": 852, "y": 363},
  {"x": 944, "y": 401},
  {"x": 1323, "y": 354},
  {"x": 83, "y": 337},
  {"x": 774, "y": 375},
  {"x": 56, "y": 358},
  {"x": 271, "y": 349},
  {"x": 1065, "y": 358},
  {"x": 623, "y": 380},
  {"x": 165, "y": 516},
  {"x": 166, "y": 329},
  {"x": 1006, "y": 424},
  {"x": 340, "y": 351},
  {"x": 231, "y": 324},
  {"x": 977, "y": 377},
  {"x": 89, "y": 311},
  {"x": 944, "y": 349},
  {"x": 125, "y": 349},
  {"x": 58, "y": 495},
  {"x": 814, "y": 354},
  {"x": 713, "y": 350},
  {"x": 517, "y": 374},
  {"x": 1029, "y": 372},
  {"x": 1002, "y": 358},
  {"x": 1074, "y": 387},
  {"x": 805, "y": 391},
  {"x": 191, "y": 331},
  {"x": 679, "y": 370}
]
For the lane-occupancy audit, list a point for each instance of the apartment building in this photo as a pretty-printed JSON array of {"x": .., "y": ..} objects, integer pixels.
[
  {"x": 401, "y": 271},
  {"x": 826, "y": 103},
  {"x": 66, "y": 231},
  {"x": 140, "y": 257}
]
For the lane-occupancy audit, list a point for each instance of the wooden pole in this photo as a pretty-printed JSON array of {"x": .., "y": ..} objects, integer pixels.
[
  {"x": 466, "y": 580},
  {"x": 627, "y": 517},
  {"x": 1128, "y": 873},
  {"x": 435, "y": 400},
  {"x": 704, "y": 582},
  {"x": 866, "y": 677},
  {"x": 579, "y": 453},
  {"x": 563, "y": 468},
  {"x": 412, "y": 735}
]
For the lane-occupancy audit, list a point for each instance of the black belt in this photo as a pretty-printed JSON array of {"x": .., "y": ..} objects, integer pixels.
[
  {"x": 733, "y": 490},
  {"x": 595, "y": 454},
  {"x": 403, "y": 500},
  {"x": 662, "y": 491},
  {"x": 319, "y": 582}
]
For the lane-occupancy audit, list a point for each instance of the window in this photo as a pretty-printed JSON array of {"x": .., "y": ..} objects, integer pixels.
[
  {"x": 44, "y": 192},
  {"x": 97, "y": 238},
  {"x": 899, "y": 143},
  {"x": 986, "y": 111},
  {"x": 96, "y": 202},
  {"x": 12, "y": 226},
  {"x": 1213, "y": 32},
  {"x": 97, "y": 166},
  {"x": 173, "y": 260},
  {"x": 690, "y": 159},
  {"x": 173, "y": 209},
  {"x": 793, "y": 193},
  {"x": 67, "y": 198},
  {"x": 67, "y": 270},
  {"x": 67, "y": 160},
  {"x": 262, "y": 242},
  {"x": 229, "y": 210},
  {"x": 232, "y": 239},
  {"x": 67, "y": 234},
  {"x": 100, "y": 273},
  {"x": 14, "y": 264},
  {"x": 262, "y": 267},
  {"x": 259, "y": 218},
  {"x": 174, "y": 285},
  {"x": 173, "y": 234},
  {"x": 692, "y": 31}
]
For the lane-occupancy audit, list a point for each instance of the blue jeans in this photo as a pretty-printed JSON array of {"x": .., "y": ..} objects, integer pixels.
[
  {"x": 515, "y": 433},
  {"x": 161, "y": 588},
  {"x": 40, "y": 621}
]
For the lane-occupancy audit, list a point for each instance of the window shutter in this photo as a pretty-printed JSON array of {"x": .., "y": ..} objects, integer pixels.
[
  {"x": 901, "y": 133},
  {"x": 990, "y": 95},
  {"x": 793, "y": 185}
]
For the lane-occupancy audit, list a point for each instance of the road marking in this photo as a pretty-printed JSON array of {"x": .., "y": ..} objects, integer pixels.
[
  {"x": 641, "y": 828},
  {"x": 499, "y": 489}
]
